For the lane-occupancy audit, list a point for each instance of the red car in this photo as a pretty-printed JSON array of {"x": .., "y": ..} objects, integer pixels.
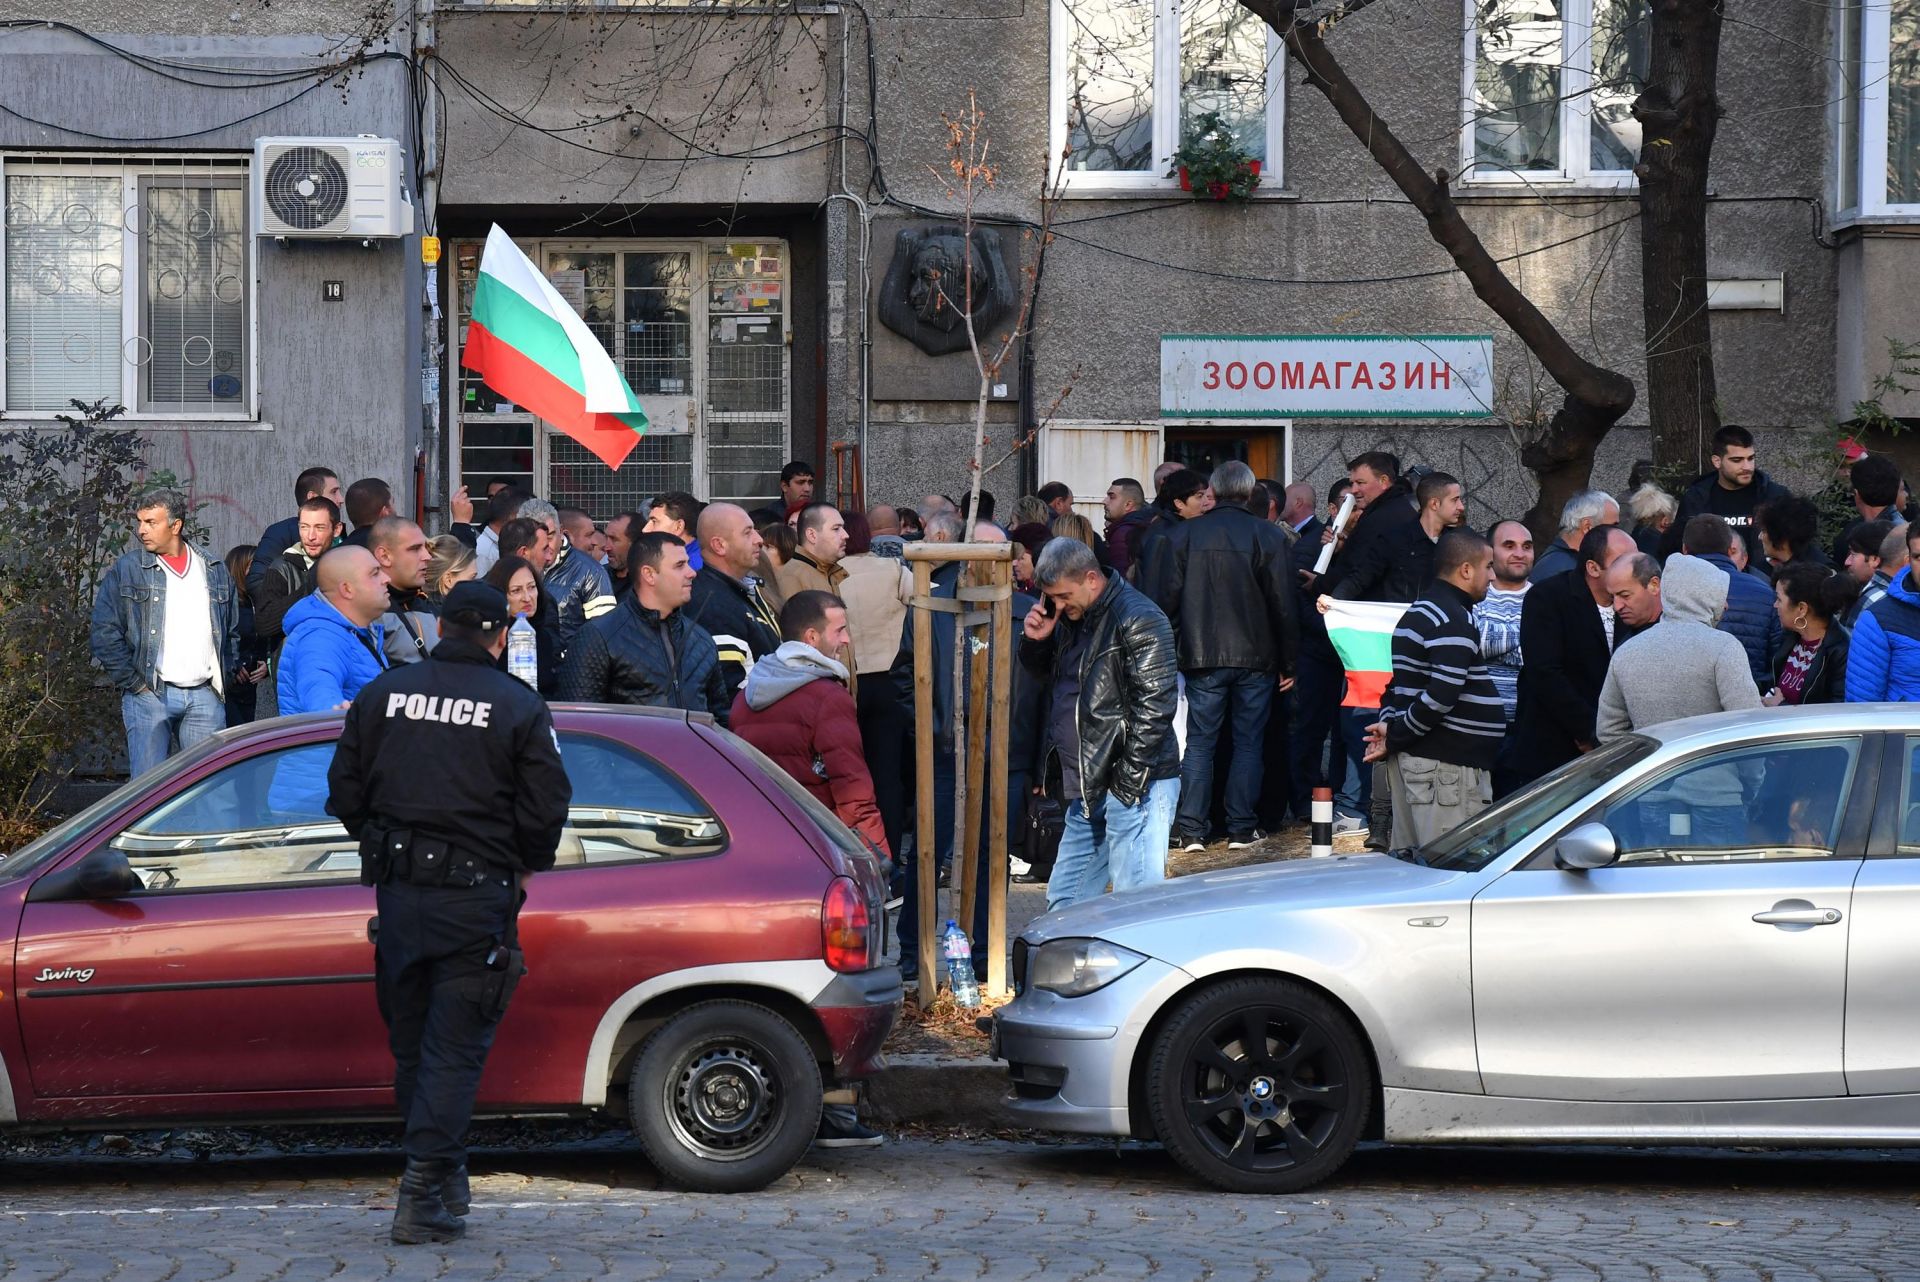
[{"x": 706, "y": 952}]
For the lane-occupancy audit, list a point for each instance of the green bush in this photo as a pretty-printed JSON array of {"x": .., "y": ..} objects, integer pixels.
[{"x": 66, "y": 511}]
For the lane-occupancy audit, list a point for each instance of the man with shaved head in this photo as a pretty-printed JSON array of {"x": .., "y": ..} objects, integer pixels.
[
  {"x": 334, "y": 638},
  {"x": 412, "y": 622},
  {"x": 726, "y": 597},
  {"x": 883, "y": 524}
]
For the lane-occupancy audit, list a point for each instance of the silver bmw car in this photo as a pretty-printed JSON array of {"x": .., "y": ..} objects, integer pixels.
[{"x": 1706, "y": 934}]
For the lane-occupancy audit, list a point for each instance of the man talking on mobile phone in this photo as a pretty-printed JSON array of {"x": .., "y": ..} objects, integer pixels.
[{"x": 1107, "y": 656}]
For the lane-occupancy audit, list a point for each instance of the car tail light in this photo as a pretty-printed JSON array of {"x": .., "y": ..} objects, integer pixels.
[{"x": 846, "y": 927}]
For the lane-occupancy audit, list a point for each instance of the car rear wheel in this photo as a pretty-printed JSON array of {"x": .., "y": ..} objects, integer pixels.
[
  {"x": 1259, "y": 1086},
  {"x": 725, "y": 1097}
]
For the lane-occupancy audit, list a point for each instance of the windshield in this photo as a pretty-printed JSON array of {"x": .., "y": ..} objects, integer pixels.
[{"x": 1496, "y": 830}]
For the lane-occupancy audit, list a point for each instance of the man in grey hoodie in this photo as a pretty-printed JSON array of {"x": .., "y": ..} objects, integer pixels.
[{"x": 1682, "y": 666}]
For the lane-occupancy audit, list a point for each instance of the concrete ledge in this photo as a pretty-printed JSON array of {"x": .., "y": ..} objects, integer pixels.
[{"x": 936, "y": 1090}]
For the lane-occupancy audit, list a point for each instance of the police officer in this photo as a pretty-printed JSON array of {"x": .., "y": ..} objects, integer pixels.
[{"x": 449, "y": 773}]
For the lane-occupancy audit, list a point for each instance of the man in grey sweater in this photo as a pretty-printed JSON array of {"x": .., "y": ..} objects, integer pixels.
[{"x": 1682, "y": 666}]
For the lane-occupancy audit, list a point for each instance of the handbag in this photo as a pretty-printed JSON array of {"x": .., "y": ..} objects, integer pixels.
[{"x": 1046, "y": 822}]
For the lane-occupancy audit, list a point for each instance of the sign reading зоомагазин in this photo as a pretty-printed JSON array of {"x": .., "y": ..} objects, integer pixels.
[{"x": 1326, "y": 375}]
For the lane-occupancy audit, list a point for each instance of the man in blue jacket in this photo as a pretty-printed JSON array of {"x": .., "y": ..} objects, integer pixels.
[
  {"x": 1749, "y": 617},
  {"x": 1884, "y": 660},
  {"x": 334, "y": 638}
]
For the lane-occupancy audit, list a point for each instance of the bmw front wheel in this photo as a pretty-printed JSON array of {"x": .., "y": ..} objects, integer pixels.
[{"x": 1259, "y": 1086}]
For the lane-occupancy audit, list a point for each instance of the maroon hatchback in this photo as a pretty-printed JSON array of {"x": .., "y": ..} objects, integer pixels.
[{"x": 705, "y": 954}]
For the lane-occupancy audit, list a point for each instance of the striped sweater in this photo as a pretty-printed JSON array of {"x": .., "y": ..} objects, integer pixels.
[{"x": 1442, "y": 704}]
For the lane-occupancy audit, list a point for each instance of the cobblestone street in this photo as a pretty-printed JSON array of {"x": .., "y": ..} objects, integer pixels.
[{"x": 977, "y": 1209}]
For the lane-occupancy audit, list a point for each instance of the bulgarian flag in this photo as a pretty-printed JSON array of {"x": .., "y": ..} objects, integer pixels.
[
  {"x": 529, "y": 345},
  {"x": 1362, "y": 634}
]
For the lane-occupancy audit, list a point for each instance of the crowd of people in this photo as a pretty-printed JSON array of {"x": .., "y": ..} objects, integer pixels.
[{"x": 1177, "y": 681}]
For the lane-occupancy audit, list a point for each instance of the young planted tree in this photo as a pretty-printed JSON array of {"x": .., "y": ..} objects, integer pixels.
[
  {"x": 1595, "y": 398},
  {"x": 967, "y": 178}
]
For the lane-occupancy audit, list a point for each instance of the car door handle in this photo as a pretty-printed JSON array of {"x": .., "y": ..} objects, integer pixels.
[{"x": 1778, "y": 916}]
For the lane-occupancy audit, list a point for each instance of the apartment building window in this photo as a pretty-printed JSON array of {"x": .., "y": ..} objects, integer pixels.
[
  {"x": 1131, "y": 77},
  {"x": 128, "y": 281},
  {"x": 1549, "y": 92},
  {"x": 1878, "y": 108}
]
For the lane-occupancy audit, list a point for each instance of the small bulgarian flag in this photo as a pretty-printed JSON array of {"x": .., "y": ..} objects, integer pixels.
[
  {"x": 529, "y": 345},
  {"x": 1362, "y": 635}
]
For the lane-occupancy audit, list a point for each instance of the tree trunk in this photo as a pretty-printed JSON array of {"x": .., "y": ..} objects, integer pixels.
[
  {"x": 1596, "y": 398},
  {"x": 1679, "y": 114}
]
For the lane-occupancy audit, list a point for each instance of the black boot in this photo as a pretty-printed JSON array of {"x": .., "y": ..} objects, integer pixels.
[
  {"x": 419, "y": 1213},
  {"x": 457, "y": 1192}
]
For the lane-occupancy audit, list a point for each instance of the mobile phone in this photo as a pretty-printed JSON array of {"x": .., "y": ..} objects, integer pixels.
[{"x": 1047, "y": 607}]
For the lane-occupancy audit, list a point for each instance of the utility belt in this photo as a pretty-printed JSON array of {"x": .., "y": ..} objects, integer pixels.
[{"x": 419, "y": 859}]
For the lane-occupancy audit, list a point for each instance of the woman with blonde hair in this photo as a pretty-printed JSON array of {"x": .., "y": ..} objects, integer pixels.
[
  {"x": 1651, "y": 510},
  {"x": 1072, "y": 526},
  {"x": 1031, "y": 509},
  {"x": 449, "y": 561}
]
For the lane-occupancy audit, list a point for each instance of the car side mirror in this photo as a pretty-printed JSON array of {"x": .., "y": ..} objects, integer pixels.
[
  {"x": 1587, "y": 847},
  {"x": 104, "y": 874}
]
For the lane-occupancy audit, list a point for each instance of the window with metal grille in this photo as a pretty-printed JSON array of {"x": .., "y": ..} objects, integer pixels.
[{"x": 126, "y": 281}]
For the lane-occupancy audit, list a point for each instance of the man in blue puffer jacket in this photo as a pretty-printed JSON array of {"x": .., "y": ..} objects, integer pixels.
[
  {"x": 334, "y": 641},
  {"x": 1884, "y": 660},
  {"x": 1749, "y": 617}
]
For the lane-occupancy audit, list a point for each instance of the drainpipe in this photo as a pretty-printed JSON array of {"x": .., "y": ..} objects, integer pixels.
[{"x": 434, "y": 492}]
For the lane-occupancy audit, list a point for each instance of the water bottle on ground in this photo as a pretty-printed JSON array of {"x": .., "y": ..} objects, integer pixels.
[
  {"x": 523, "y": 653},
  {"x": 966, "y": 991}
]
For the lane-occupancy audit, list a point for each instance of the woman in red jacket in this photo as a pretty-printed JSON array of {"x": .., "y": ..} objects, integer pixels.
[{"x": 794, "y": 706}]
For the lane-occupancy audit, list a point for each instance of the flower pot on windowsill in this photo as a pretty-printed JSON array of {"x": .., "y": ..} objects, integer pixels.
[{"x": 1248, "y": 176}]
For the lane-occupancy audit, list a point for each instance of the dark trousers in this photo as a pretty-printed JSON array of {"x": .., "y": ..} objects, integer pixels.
[
  {"x": 430, "y": 972},
  {"x": 907, "y": 929},
  {"x": 1223, "y": 701},
  {"x": 884, "y": 726},
  {"x": 1318, "y": 749}
]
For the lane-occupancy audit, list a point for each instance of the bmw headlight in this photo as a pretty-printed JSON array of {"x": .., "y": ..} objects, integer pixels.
[{"x": 1076, "y": 967}]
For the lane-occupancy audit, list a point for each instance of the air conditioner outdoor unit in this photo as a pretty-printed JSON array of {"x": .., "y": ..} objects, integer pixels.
[{"x": 330, "y": 188}]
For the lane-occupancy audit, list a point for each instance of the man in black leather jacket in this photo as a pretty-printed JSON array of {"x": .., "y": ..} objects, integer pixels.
[
  {"x": 1226, "y": 584},
  {"x": 1110, "y": 671},
  {"x": 726, "y": 597},
  {"x": 646, "y": 651}
]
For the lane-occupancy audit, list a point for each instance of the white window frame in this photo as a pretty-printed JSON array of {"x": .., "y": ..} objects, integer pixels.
[
  {"x": 221, "y": 166},
  {"x": 1576, "y": 111},
  {"x": 1166, "y": 113},
  {"x": 1872, "y": 106}
]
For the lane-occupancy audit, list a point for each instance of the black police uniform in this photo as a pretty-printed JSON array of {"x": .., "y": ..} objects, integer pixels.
[{"x": 449, "y": 773}]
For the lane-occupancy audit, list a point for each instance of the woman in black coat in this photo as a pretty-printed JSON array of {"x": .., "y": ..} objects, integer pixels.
[
  {"x": 511, "y": 574},
  {"x": 1811, "y": 663}
]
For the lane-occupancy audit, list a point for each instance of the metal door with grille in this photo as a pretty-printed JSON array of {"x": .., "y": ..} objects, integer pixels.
[{"x": 699, "y": 328}]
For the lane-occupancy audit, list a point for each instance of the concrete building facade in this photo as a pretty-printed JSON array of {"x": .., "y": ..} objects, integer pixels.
[{"x": 722, "y": 191}]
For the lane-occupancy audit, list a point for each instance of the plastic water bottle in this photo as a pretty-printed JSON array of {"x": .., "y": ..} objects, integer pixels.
[
  {"x": 523, "y": 653},
  {"x": 966, "y": 991}
]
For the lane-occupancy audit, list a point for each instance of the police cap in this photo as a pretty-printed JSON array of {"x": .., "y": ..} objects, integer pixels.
[{"x": 473, "y": 604}]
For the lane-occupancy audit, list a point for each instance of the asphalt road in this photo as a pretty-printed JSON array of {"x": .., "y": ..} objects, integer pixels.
[{"x": 969, "y": 1208}]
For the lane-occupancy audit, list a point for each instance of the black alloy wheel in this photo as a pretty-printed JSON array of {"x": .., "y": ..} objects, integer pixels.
[{"x": 1260, "y": 1086}]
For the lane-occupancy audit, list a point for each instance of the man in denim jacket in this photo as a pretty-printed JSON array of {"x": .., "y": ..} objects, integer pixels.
[{"x": 166, "y": 628}]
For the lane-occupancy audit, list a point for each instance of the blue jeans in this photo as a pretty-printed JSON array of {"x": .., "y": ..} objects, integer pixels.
[
  {"x": 1126, "y": 845},
  {"x": 161, "y": 723},
  {"x": 1222, "y": 700}
]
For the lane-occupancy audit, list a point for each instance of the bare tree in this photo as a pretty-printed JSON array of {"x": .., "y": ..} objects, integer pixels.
[{"x": 1595, "y": 398}]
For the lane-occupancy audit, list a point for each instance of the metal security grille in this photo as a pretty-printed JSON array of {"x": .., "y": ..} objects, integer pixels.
[
  {"x": 747, "y": 405},
  {"x": 699, "y": 328},
  {"x": 127, "y": 279},
  {"x": 657, "y": 464}
]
